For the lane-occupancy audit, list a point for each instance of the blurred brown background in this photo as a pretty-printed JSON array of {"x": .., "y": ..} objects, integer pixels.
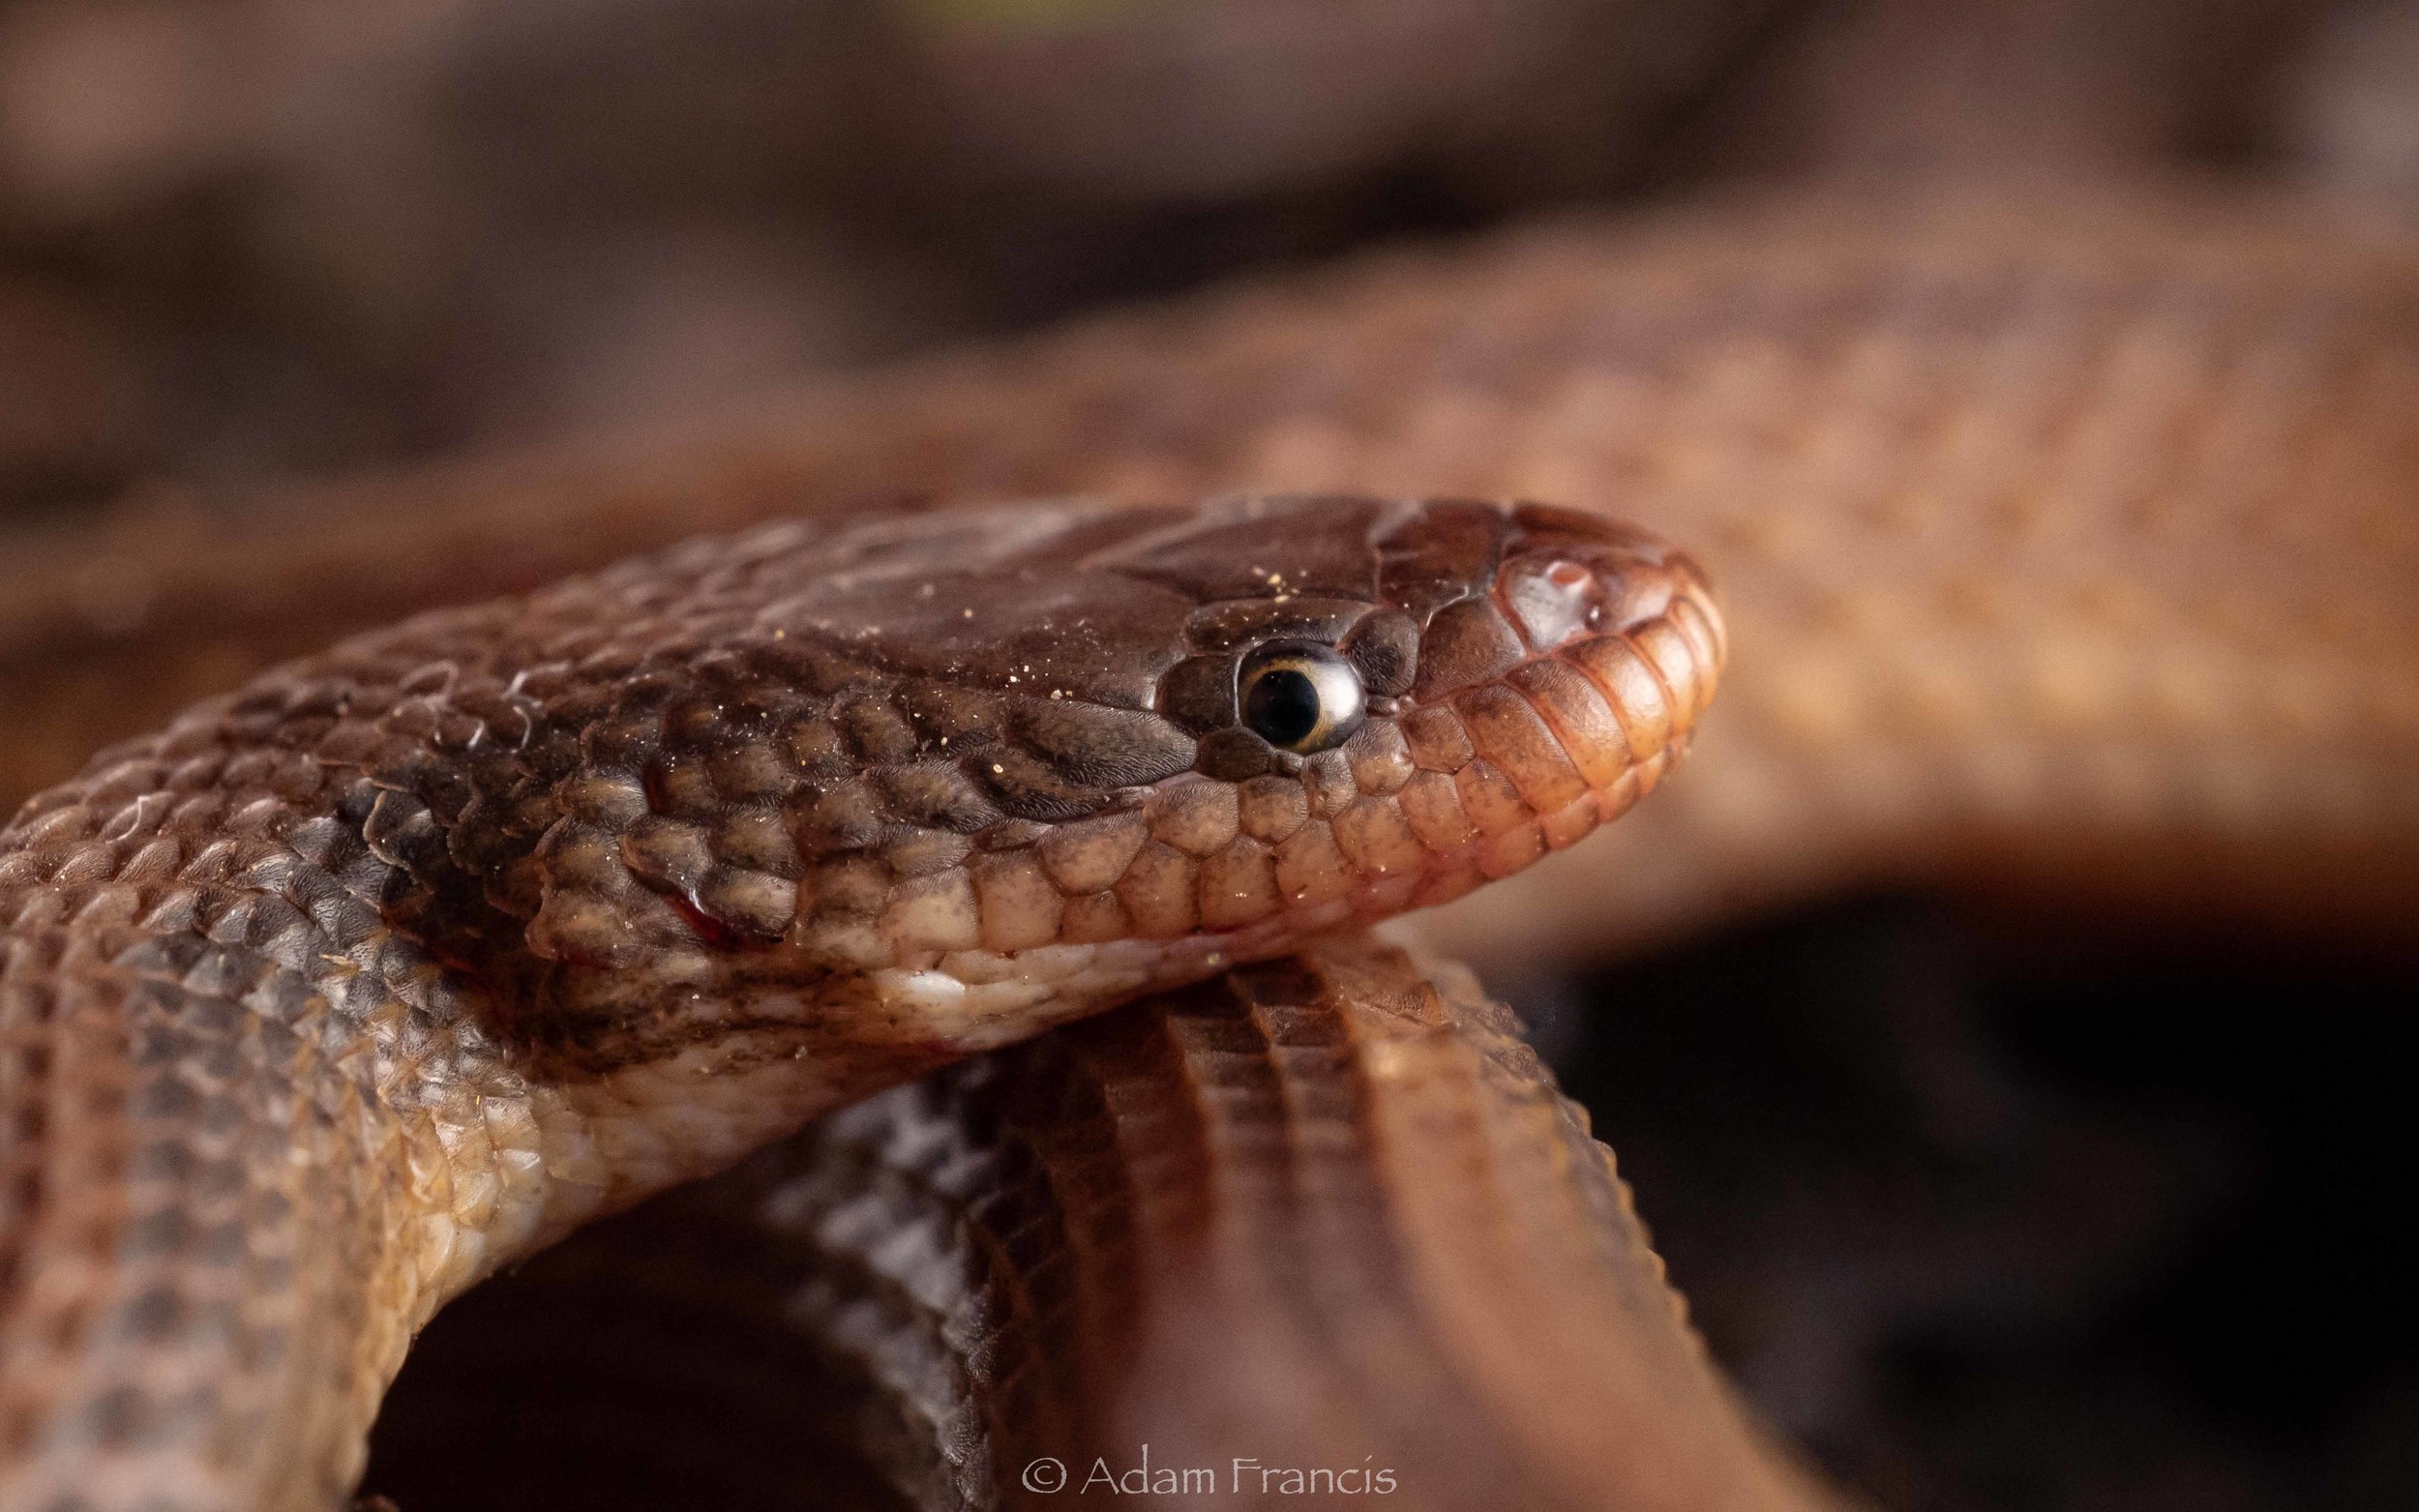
[
  {"x": 244, "y": 239},
  {"x": 1991, "y": 1224}
]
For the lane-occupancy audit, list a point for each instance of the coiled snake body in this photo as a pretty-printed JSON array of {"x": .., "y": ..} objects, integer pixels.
[{"x": 2066, "y": 546}]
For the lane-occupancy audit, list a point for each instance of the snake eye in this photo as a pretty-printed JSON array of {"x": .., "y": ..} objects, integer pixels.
[{"x": 1299, "y": 696}]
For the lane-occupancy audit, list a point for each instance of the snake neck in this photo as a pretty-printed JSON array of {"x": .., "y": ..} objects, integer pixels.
[{"x": 258, "y": 1134}]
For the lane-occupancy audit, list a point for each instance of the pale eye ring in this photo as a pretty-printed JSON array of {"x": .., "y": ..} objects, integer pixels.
[{"x": 1299, "y": 696}]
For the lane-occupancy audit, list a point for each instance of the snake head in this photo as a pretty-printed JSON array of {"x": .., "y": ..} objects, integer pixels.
[{"x": 990, "y": 768}]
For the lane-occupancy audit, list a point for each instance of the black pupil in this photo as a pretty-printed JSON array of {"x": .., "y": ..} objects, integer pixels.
[{"x": 1282, "y": 705}]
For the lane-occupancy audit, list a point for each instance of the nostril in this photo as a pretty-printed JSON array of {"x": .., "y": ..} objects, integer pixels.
[
  {"x": 1552, "y": 599},
  {"x": 1576, "y": 581}
]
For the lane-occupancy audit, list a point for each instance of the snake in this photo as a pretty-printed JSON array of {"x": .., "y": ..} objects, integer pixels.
[
  {"x": 2066, "y": 547},
  {"x": 348, "y": 987}
]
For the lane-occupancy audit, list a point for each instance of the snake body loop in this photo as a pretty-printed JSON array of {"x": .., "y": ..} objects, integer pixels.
[{"x": 1325, "y": 1215}]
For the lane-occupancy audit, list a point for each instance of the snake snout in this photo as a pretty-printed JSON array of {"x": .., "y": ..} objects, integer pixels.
[
  {"x": 1554, "y": 701},
  {"x": 1565, "y": 574}
]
